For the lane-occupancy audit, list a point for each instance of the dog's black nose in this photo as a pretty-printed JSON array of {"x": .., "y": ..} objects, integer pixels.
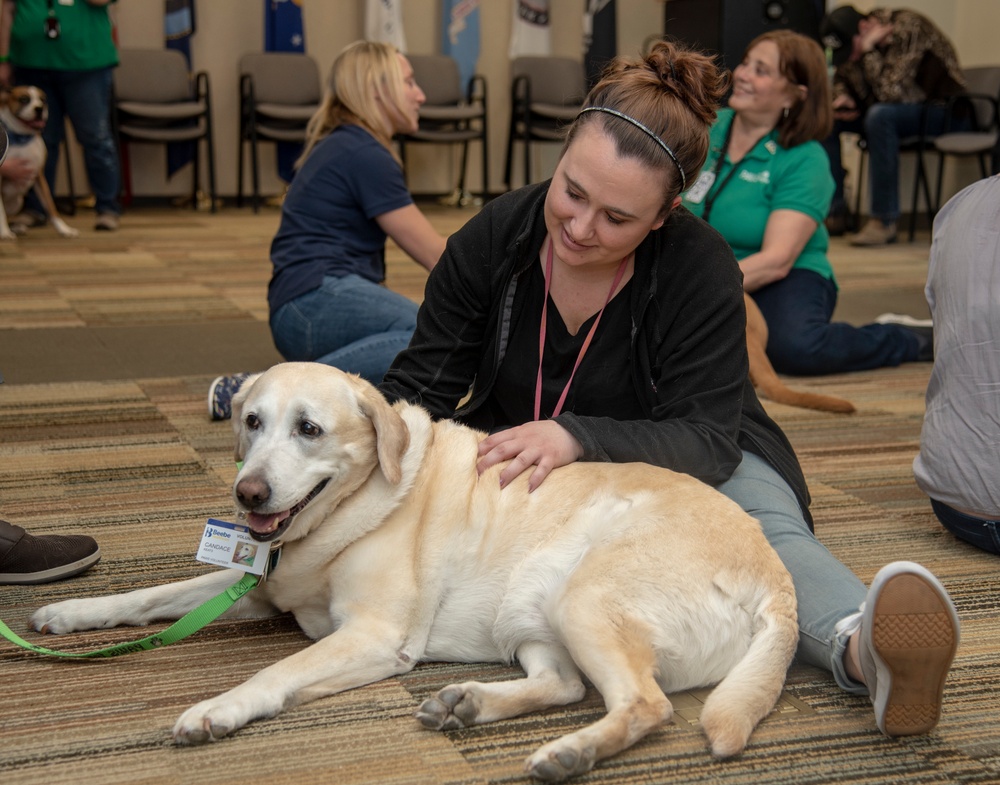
[{"x": 252, "y": 493}]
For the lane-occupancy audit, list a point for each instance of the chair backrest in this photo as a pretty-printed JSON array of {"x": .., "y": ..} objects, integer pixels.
[
  {"x": 985, "y": 80},
  {"x": 157, "y": 76},
  {"x": 554, "y": 80},
  {"x": 282, "y": 77},
  {"x": 438, "y": 77}
]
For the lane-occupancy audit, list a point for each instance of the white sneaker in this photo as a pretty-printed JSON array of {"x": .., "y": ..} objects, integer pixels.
[
  {"x": 903, "y": 319},
  {"x": 909, "y": 636}
]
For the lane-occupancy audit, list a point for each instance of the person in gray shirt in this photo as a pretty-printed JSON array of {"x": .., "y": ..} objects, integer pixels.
[{"x": 958, "y": 466}]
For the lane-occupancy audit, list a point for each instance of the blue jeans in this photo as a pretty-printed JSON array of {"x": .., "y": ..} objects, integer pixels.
[
  {"x": 980, "y": 532},
  {"x": 883, "y": 126},
  {"x": 349, "y": 323},
  {"x": 826, "y": 590},
  {"x": 802, "y": 340},
  {"x": 85, "y": 98}
]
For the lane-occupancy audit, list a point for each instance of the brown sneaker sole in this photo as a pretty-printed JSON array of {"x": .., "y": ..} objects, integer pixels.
[{"x": 916, "y": 637}]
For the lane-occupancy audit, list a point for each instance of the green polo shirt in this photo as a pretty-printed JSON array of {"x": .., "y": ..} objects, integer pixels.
[
  {"x": 84, "y": 41},
  {"x": 768, "y": 178}
]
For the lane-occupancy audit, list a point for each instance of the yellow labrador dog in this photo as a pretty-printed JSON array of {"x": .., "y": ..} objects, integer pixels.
[{"x": 394, "y": 551}]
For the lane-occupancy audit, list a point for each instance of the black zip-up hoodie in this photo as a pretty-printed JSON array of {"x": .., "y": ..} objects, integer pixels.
[{"x": 688, "y": 348}]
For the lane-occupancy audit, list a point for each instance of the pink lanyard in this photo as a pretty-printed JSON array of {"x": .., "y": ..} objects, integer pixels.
[{"x": 586, "y": 341}]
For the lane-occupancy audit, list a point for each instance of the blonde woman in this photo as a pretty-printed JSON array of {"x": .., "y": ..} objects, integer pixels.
[{"x": 326, "y": 300}]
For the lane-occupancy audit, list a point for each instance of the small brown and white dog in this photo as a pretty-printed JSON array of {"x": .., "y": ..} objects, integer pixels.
[
  {"x": 639, "y": 579},
  {"x": 767, "y": 382},
  {"x": 24, "y": 112}
]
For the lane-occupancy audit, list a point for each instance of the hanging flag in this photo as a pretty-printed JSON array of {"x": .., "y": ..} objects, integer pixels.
[
  {"x": 600, "y": 37},
  {"x": 460, "y": 35},
  {"x": 178, "y": 27},
  {"x": 530, "y": 33},
  {"x": 283, "y": 32},
  {"x": 384, "y": 22},
  {"x": 283, "y": 26}
]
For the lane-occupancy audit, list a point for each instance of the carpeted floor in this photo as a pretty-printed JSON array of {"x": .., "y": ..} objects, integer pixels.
[{"x": 108, "y": 344}]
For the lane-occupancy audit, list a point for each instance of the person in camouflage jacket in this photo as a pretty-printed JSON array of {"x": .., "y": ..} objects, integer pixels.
[{"x": 889, "y": 62}]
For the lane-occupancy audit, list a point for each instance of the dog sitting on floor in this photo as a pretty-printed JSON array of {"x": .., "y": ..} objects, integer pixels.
[
  {"x": 23, "y": 113},
  {"x": 763, "y": 375},
  {"x": 640, "y": 580}
]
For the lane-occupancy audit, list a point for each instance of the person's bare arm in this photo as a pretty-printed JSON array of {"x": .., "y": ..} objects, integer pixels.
[
  {"x": 411, "y": 231},
  {"x": 785, "y": 235},
  {"x": 6, "y": 23}
]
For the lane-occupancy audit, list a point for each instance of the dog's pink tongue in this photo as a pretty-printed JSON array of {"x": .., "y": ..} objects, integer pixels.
[{"x": 265, "y": 524}]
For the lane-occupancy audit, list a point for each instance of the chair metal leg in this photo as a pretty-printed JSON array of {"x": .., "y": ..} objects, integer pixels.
[
  {"x": 509, "y": 162},
  {"x": 461, "y": 172},
  {"x": 920, "y": 180},
  {"x": 210, "y": 153},
  {"x": 527, "y": 151},
  {"x": 254, "y": 171},
  {"x": 239, "y": 171},
  {"x": 486, "y": 164},
  {"x": 859, "y": 187},
  {"x": 195, "y": 171}
]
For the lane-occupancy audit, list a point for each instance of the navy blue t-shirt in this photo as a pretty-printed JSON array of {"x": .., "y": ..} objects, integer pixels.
[{"x": 328, "y": 222}]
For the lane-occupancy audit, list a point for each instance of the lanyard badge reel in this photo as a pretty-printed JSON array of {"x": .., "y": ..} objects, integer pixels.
[{"x": 51, "y": 27}]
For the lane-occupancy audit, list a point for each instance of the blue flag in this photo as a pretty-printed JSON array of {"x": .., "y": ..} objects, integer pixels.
[
  {"x": 178, "y": 27},
  {"x": 283, "y": 33},
  {"x": 460, "y": 35},
  {"x": 283, "y": 26}
]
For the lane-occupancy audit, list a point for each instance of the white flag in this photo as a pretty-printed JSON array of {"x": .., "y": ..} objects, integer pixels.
[
  {"x": 530, "y": 33},
  {"x": 384, "y": 22}
]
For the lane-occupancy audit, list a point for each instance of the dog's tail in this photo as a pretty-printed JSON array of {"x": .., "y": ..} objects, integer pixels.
[
  {"x": 765, "y": 379},
  {"x": 751, "y": 689}
]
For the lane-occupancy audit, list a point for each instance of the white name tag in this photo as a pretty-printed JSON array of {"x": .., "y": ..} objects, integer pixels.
[
  {"x": 697, "y": 192},
  {"x": 230, "y": 545}
]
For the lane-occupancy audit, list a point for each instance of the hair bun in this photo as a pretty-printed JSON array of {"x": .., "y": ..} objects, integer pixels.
[{"x": 692, "y": 76}]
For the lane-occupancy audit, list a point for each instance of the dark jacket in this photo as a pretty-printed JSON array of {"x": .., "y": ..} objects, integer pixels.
[{"x": 688, "y": 349}]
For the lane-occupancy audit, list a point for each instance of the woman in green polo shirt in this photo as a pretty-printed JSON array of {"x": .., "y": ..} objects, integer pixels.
[{"x": 766, "y": 187}]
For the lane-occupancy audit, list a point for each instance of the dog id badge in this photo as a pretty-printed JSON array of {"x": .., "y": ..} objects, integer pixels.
[{"x": 230, "y": 545}]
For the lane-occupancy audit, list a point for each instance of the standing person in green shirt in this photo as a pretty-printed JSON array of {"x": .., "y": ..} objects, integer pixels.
[
  {"x": 766, "y": 187},
  {"x": 65, "y": 47}
]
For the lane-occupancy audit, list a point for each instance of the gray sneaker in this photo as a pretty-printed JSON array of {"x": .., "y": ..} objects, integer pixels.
[
  {"x": 106, "y": 222},
  {"x": 909, "y": 636}
]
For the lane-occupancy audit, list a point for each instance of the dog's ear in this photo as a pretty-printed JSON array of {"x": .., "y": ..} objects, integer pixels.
[
  {"x": 391, "y": 433},
  {"x": 237, "y": 417}
]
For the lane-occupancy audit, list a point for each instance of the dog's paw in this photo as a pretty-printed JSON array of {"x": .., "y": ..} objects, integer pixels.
[
  {"x": 559, "y": 760},
  {"x": 452, "y": 708},
  {"x": 7, "y": 234},
  {"x": 70, "y": 616},
  {"x": 207, "y": 721},
  {"x": 64, "y": 229}
]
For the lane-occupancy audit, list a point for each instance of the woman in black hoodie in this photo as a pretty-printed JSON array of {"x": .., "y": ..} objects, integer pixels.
[{"x": 592, "y": 318}]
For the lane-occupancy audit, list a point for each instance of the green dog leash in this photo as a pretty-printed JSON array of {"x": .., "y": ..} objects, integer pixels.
[{"x": 188, "y": 624}]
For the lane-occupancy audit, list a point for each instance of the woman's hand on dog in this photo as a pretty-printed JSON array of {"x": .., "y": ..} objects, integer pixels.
[
  {"x": 546, "y": 445},
  {"x": 18, "y": 170}
]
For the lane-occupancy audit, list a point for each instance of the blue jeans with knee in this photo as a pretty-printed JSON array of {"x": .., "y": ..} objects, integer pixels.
[
  {"x": 349, "y": 322},
  {"x": 802, "y": 340},
  {"x": 826, "y": 590},
  {"x": 981, "y": 532},
  {"x": 883, "y": 126},
  {"x": 85, "y": 98}
]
